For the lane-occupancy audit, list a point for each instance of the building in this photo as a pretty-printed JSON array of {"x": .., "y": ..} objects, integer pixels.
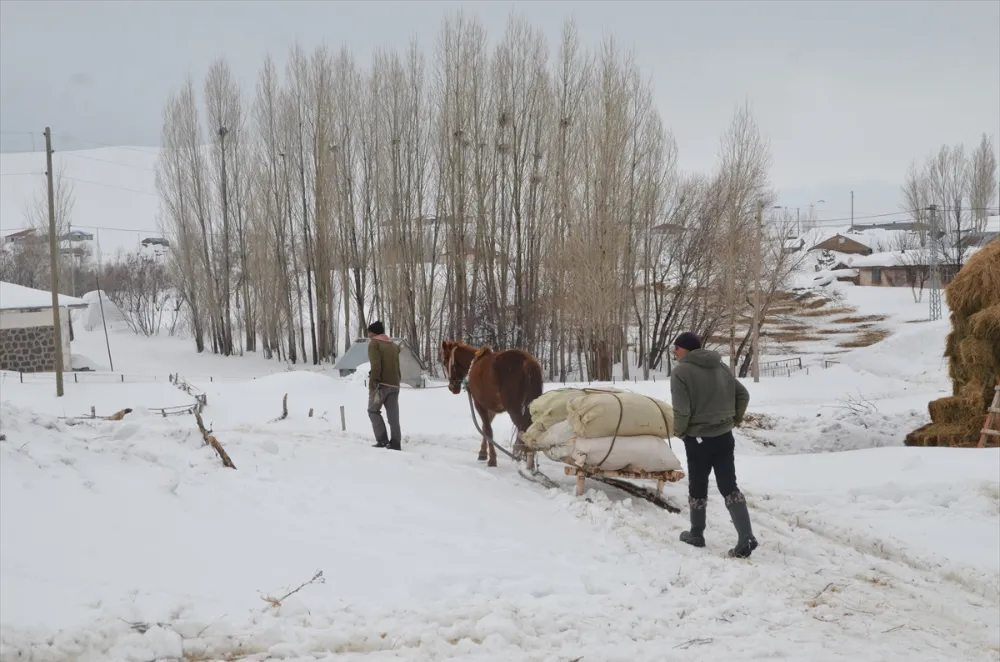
[
  {"x": 20, "y": 236},
  {"x": 840, "y": 243},
  {"x": 793, "y": 245},
  {"x": 27, "y": 335},
  {"x": 899, "y": 269},
  {"x": 413, "y": 371},
  {"x": 978, "y": 239},
  {"x": 77, "y": 235}
]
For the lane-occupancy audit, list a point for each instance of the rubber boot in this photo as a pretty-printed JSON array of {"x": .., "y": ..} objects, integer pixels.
[
  {"x": 696, "y": 535},
  {"x": 746, "y": 543}
]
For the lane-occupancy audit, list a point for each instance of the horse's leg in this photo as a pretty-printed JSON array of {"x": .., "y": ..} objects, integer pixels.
[{"x": 487, "y": 417}]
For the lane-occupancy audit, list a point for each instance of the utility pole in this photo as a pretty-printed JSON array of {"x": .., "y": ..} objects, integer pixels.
[
  {"x": 755, "y": 363},
  {"x": 852, "y": 211},
  {"x": 54, "y": 266},
  {"x": 935, "y": 298}
]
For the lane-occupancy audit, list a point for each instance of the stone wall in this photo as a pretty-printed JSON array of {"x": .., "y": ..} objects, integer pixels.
[{"x": 30, "y": 349}]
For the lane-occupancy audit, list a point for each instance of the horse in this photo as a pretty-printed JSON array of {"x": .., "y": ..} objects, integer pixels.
[{"x": 499, "y": 382}]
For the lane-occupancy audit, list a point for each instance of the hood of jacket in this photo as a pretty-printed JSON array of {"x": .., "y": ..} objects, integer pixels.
[
  {"x": 703, "y": 358},
  {"x": 382, "y": 338}
]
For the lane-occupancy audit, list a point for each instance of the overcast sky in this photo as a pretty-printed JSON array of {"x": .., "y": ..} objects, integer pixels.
[{"x": 847, "y": 92}]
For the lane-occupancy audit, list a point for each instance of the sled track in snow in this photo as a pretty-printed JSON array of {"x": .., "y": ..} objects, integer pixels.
[{"x": 966, "y": 579}]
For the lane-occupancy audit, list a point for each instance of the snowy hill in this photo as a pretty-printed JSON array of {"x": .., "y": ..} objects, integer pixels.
[
  {"x": 113, "y": 188},
  {"x": 129, "y": 540}
]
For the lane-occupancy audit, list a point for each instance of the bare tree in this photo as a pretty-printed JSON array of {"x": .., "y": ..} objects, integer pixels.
[
  {"x": 486, "y": 193},
  {"x": 917, "y": 198},
  {"x": 139, "y": 285},
  {"x": 964, "y": 189},
  {"x": 914, "y": 256},
  {"x": 983, "y": 183},
  {"x": 223, "y": 100},
  {"x": 744, "y": 179}
]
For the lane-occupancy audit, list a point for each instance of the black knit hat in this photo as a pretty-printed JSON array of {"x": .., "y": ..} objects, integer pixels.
[
  {"x": 376, "y": 327},
  {"x": 688, "y": 341}
]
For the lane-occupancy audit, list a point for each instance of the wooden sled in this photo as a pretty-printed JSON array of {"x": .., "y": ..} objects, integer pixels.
[{"x": 661, "y": 477}]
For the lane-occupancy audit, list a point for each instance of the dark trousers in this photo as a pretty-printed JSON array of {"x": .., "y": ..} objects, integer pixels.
[
  {"x": 388, "y": 397},
  {"x": 712, "y": 454}
]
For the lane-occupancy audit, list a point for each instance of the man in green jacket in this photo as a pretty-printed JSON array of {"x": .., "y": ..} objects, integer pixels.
[
  {"x": 708, "y": 402},
  {"x": 383, "y": 386}
]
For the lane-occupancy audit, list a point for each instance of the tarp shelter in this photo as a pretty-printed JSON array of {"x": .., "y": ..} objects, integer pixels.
[{"x": 411, "y": 369}]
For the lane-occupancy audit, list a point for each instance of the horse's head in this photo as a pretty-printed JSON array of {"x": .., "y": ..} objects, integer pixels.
[{"x": 454, "y": 363}]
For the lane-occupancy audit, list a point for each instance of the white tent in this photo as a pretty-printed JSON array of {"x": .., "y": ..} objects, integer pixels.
[{"x": 411, "y": 369}]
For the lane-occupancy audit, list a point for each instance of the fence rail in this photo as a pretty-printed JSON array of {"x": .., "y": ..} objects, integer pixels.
[
  {"x": 781, "y": 368},
  {"x": 93, "y": 377},
  {"x": 791, "y": 364}
]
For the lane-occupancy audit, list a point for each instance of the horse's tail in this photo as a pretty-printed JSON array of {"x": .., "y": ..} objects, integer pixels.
[{"x": 532, "y": 385}]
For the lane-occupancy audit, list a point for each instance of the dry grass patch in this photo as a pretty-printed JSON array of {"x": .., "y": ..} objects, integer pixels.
[
  {"x": 792, "y": 336},
  {"x": 867, "y": 339},
  {"x": 828, "y": 312},
  {"x": 861, "y": 319},
  {"x": 815, "y": 303},
  {"x": 752, "y": 421},
  {"x": 834, "y": 332}
]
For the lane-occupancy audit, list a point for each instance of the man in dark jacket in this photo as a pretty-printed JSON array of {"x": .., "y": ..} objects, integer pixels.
[
  {"x": 383, "y": 386},
  {"x": 708, "y": 402}
]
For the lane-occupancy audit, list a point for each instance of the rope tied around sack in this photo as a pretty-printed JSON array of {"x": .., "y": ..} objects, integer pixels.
[{"x": 621, "y": 416}]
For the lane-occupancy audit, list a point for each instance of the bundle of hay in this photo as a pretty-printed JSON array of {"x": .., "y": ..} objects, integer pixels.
[
  {"x": 603, "y": 429},
  {"x": 973, "y": 350}
]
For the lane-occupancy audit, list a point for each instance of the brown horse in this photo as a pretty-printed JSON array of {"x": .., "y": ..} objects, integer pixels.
[{"x": 499, "y": 382}]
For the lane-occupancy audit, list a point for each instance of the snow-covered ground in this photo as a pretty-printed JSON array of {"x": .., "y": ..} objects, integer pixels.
[{"x": 130, "y": 541}]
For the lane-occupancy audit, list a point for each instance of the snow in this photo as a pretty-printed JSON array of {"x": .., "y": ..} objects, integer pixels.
[
  {"x": 869, "y": 550},
  {"x": 14, "y": 297},
  {"x": 874, "y": 238}
]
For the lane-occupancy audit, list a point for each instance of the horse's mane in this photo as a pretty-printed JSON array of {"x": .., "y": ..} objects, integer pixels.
[{"x": 482, "y": 351}]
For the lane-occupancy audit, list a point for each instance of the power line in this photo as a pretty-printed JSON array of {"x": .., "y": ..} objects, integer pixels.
[
  {"x": 123, "y": 188},
  {"x": 104, "y": 144},
  {"x": 118, "y": 163},
  {"x": 88, "y": 227},
  {"x": 909, "y": 213}
]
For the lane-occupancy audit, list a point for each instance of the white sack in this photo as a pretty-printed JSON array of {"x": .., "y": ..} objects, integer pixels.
[
  {"x": 550, "y": 408},
  {"x": 561, "y": 452},
  {"x": 596, "y": 415},
  {"x": 559, "y": 434},
  {"x": 637, "y": 453}
]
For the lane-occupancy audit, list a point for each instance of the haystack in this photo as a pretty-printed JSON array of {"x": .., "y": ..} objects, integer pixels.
[{"x": 973, "y": 350}]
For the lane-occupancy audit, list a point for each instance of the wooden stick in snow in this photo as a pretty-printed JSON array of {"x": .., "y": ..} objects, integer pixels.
[{"x": 213, "y": 442}]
